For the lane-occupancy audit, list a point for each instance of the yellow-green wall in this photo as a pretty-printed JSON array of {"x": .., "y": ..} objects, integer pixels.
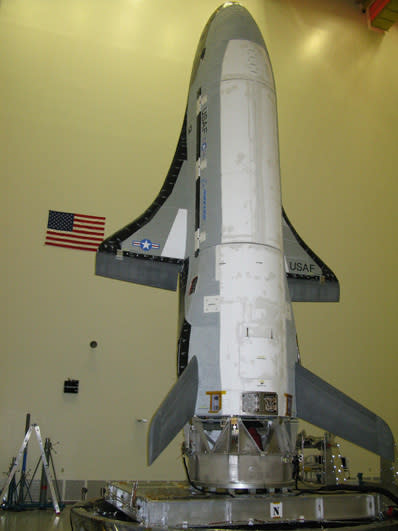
[{"x": 92, "y": 96}]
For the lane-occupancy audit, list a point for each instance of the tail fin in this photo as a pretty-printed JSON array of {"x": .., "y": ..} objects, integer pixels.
[
  {"x": 323, "y": 405},
  {"x": 174, "y": 412}
]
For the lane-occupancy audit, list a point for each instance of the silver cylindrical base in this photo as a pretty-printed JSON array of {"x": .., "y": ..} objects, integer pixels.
[{"x": 240, "y": 452}]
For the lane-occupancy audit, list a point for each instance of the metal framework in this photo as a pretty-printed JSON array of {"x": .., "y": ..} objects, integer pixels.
[{"x": 36, "y": 429}]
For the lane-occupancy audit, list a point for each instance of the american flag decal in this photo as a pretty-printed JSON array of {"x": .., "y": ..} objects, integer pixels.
[{"x": 75, "y": 231}]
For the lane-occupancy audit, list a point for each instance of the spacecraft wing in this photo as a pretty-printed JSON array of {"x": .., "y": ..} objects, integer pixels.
[
  {"x": 174, "y": 412},
  {"x": 309, "y": 278},
  {"x": 151, "y": 250},
  {"x": 323, "y": 405}
]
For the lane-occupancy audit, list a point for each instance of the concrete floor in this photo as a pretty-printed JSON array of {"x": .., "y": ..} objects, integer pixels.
[{"x": 35, "y": 520}]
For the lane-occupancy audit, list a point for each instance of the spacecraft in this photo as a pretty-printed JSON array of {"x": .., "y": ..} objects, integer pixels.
[{"x": 217, "y": 231}]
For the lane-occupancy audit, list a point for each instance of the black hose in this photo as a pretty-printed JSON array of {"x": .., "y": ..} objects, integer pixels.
[
  {"x": 201, "y": 489},
  {"x": 196, "y": 487},
  {"x": 353, "y": 488}
]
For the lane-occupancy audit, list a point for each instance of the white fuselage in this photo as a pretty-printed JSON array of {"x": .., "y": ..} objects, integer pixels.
[{"x": 252, "y": 302}]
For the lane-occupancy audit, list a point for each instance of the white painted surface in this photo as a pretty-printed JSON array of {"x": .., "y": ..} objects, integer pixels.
[
  {"x": 250, "y": 265},
  {"x": 211, "y": 304},
  {"x": 253, "y": 313},
  {"x": 176, "y": 240},
  {"x": 250, "y": 180}
]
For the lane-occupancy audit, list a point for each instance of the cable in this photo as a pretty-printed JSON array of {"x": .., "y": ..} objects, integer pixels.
[
  {"x": 201, "y": 489},
  {"x": 296, "y": 470},
  {"x": 353, "y": 488},
  {"x": 196, "y": 487}
]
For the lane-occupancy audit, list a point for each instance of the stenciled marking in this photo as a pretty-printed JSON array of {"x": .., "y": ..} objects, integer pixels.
[
  {"x": 301, "y": 267},
  {"x": 276, "y": 510},
  {"x": 145, "y": 244},
  {"x": 201, "y": 161},
  {"x": 215, "y": 400},
  {"x": 204, "y": 120},
  {"x": 203, "y": 150},
  {"x": 204, "y": 198},
  {"x": 211, "y": 303},
  {"x": 197, "y": 172}
]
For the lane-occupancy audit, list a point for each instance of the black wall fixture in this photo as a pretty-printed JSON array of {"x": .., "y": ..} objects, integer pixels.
[{"x": 71, "y": 386}]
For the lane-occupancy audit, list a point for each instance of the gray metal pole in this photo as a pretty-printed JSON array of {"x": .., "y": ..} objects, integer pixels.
[
  {"x": 22, "y": 481},
  {"x": 43, "y": 480}
]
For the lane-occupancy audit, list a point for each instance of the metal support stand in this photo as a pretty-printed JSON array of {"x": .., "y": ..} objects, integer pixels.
[
  {"x": 12, "y": 489},
  {"x": 22, "y": 480},
  {"x": 43, "y": 480},
  {"x": 45, "y": 460}
]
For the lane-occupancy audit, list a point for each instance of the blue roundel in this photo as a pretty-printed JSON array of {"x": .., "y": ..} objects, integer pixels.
[{"x": 146, "y": 245}]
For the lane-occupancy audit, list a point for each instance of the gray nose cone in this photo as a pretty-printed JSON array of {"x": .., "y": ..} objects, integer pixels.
[{"x": 230, "y": 21}]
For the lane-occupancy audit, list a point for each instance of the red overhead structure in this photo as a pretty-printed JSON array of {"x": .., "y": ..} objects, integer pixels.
[{"x": 382, "y": 14}]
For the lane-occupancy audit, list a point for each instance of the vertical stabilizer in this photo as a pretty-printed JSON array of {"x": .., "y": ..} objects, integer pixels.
[
  {"x": 174, "y": 412},
  {"x": 325, "y": 406}
]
